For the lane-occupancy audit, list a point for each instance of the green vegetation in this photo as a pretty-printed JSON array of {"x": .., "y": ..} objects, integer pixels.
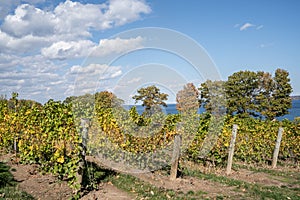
[
  {"x": 49, "y": 134},
  {"x": 253, "y": 93},
  {"x": 8, "y": 187},
  {"x": 253, "y": 190},
  {"x": 144, "y": 190},
  {"x": 151, "y": 97},
  {"x": 213, "y": 97},
  {"x": 45, "y": 135},
  {"x": 254, "y": 143},
  {"x": 188, "y": 99},
  {"x": 6, "y": 177},
  {"x": 286, "y": 176}
]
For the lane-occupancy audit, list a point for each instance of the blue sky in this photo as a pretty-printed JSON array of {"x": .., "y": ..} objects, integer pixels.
[{"x": 54, "y": 49}]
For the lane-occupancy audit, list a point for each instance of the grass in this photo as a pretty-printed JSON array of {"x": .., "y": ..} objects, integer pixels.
[
  {"x": 266, "y": 170},
  {"x": 8, "y": 187},
  {"x": 253, "y": 190},
  {"x": 289, "y": 177},
  {"x": 144, "y": 190},
  {"x": 10, "y": 192},
  {"x": 135, "y": 186}
]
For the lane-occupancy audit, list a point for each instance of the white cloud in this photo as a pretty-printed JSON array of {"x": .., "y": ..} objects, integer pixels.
[
  {"x": 246, "y": 26},
  {"x": 117, "y": 45},
  {"x": 124, "y": 11},
  {"x": 82, "y": 48},
  {"x": 98, "y": 71},
  {"x": 266, "y": 45},
  {"x": 64, "y": 50},
  {"x": 7, "y": 6},
  {"x": 30, "y": 85},
  {"x": 37, "y": 44},
  {"x": 28, "y": 20},
  {"x": 68, "y": 19},
  {"x": 26, "y": 44},
  {"x": 7, "y": 62},
  {"x": 259, "y": 27},
  {"x": 134, "y": 80},
  {"x": 72, "y": 18},
  {"x": 33, "y": 77},
  {"x": 89, "y": 78},
  {"x": 30, "y": 28}
]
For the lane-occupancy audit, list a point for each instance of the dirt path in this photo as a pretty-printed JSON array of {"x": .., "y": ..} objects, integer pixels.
[
  {"x": 108, "y": 191},
  {"x": 256, "y": 176},
  {"x": 49, "y": 187},
  {"x": 212, "y": 189},
  {"x": 259, "y": 178}
]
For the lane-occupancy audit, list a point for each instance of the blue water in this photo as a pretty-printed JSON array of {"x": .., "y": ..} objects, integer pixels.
[
  {"x": 171, "y": 109},
  {"x": 294, "y": 111}
]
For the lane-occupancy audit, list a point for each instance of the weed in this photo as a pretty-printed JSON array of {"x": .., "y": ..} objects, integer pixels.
[
  {"x": 8, "y": 187},
  {"x": 253, "y": 190}
]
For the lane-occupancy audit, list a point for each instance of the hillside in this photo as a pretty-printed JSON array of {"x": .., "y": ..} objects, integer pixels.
[{"x": 295, "y": 97}]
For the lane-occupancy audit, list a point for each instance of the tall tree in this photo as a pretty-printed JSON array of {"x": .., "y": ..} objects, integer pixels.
[
  {"x": 106, "y": 99},
  {"x": 264, "y": 95},
  {"x": 259, "y": 94},
  {"x": 241, "y": 90},
  {"x": 281, "y": 99},
  {"x": 273, "y": 98},
  {"x": 151, "y": 97},
  {"x": 213, "y": 96},
  {"x": 188, "y": 99}
]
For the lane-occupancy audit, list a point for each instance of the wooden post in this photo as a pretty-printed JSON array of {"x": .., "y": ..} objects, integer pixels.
[
  {"x": 231, "y": 148},
  {"x": 84, "y": 134},
  {"x": 175, "y": 157},
  {"x": 15, "y": 145},
  {"x": 124, "y": 141},
  {"x": 277, "y": 146}
]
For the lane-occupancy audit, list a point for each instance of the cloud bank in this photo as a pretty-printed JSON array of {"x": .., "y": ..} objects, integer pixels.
[{"x": 38, "y": 44}]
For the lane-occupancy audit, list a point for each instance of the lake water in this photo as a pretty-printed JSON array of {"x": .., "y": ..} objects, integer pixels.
[
  {"x": 294, "y": 111},
  {"x": 171, "y": 109}
]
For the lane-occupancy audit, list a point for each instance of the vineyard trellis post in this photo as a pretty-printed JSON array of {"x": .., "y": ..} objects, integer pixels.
[
  {"x": 84, "y": 124},
  {"x": 231, "y": 148},
  {"x": 175, "y": 157},
  {"x": 277, "y": 146},
  {"x": 15, "y": 145}
]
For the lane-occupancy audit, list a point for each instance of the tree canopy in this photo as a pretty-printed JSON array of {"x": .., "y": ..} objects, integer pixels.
[
  {"x": 150, "y": 97},
  {"x": 188, "y": 99},
  {"x": 259, "y": 94},
  {"x": 213, "y": 97}
]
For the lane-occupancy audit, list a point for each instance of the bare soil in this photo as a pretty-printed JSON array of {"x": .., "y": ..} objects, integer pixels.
[
  {"x": 47, "y": 187},
  {"x": 212, "y": 189}
]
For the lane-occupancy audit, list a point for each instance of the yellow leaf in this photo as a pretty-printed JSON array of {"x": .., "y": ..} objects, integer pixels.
[
  {"x": 226, "y": 144},
  {"x": 56, "y": 154},
  {"x": 61, "y": 159}
]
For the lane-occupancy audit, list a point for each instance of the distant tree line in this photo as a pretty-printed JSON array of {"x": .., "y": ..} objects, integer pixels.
[
  {"x": 248, "y": 93},
  {"x": 245, "y": 93}
]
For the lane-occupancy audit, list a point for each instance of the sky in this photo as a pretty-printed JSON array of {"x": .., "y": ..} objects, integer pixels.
[{"x": 55, "y": 49}]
